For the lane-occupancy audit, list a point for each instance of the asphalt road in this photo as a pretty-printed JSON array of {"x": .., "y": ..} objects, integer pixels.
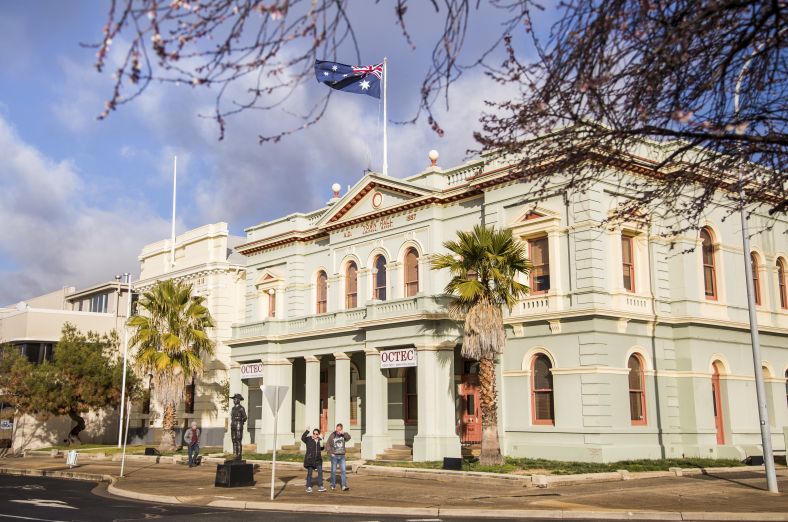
[{"x": 57, "y": 500}]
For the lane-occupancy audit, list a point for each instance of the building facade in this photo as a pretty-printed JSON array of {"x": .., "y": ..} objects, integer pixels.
[
  {"x": 206, "y": 259},
  {"x": 625, "y": 348},
  {"x": 34, "y": 326}
]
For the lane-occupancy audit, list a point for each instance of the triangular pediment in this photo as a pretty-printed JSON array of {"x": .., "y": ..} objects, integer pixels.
[
  {"x": 372, "y": 194},
  {"x": 267, "y": 277},
  {"x": 534, "y": 216}
]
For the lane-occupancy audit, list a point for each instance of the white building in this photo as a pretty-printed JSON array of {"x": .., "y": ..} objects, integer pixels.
[
  {"x": 624, "y": 349},
  {"x": 206, "y": 259}
]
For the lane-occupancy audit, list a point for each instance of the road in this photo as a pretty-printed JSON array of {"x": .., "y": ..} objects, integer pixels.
[{"x": 57, "y": 500}]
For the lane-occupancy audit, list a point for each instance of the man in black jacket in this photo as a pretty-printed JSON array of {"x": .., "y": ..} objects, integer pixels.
[{"x": 313, "y": 459}]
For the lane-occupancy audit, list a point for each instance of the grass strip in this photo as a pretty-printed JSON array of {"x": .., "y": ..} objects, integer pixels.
[{"x": 555, "y": 467}]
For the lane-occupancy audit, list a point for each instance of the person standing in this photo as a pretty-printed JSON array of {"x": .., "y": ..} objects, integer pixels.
[
  {"x": 336, "y": 449},
  {"x": 313, "y": 460},
  {"x": 192, "y": 439}
]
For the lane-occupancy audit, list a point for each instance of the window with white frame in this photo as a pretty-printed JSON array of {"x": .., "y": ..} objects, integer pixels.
[
  {"x": 379, "y": 278},
  {"x": 540, "y": 259},
  {"x": 411, "y": 272},
  {"x": 628, "y": 262},
  {"x": 351, "y": 285},
  {"x": 322, "y": 293}
]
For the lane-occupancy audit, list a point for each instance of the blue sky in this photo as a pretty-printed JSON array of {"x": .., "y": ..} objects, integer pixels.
[{"x": 80, "y": 197}]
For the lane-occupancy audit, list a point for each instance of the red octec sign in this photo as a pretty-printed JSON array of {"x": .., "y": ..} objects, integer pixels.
[{"x": 400, "y": 358}]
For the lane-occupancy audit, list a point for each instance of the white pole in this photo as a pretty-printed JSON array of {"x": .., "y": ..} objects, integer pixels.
[
  {"x": 273, "y": 460},
  {"x": 760, "y": 391},
  {"x": 125, "y": 440},
  {"x": 125, "y": 356},
  {"x": 174, "y": 186},
  {"x": 385, "y": 119}
]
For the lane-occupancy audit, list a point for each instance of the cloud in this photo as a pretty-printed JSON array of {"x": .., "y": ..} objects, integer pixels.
[
  {"x": 242, "y": 182},
  {"x": 51, "y": 236}
]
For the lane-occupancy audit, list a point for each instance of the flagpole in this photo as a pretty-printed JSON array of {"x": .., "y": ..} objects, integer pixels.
[
  {"x": 174, "y": 185},
  {"x": 385, "y": 120}
]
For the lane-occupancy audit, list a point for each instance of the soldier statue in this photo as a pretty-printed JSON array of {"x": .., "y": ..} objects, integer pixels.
[{"x": 237, "y": 420}]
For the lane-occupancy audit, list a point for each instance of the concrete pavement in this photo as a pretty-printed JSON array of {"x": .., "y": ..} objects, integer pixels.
[{"x": 736, "y": 495}]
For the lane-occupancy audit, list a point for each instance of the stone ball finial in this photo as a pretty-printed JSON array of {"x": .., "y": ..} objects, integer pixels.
[
  {"x": 336, "y": 187},
  {"x": 433, "y": 155}
]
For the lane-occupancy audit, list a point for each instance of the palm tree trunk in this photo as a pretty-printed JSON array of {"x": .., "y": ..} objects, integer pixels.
[
  {"x": 168, "y": 429},
  {"x": 488, "y": 399}
]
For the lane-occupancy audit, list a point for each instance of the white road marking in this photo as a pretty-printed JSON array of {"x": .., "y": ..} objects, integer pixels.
[
  {"x": 30, "y": 518},
  {"x": 42, "y": 502},
  {"x": 424, "y": 520}
]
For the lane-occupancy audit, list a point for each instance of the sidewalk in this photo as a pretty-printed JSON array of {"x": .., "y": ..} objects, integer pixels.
[{"x": 737, "y": 495}]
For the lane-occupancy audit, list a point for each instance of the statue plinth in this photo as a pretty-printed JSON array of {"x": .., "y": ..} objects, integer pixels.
[{"x": 234, "y": 474}]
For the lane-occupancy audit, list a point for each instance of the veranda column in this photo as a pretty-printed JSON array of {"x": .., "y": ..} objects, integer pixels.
[
  {"x": 376, "y": 438},
  {"x": 234, "y": 374},
  {"x": 437, "y": 437},
  {"x": 342, "y": 391},
  {"x": 312, "y": 393},
  {"x": 277, "y": 372}
]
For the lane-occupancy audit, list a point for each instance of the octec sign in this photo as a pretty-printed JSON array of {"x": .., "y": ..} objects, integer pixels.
[
  {"x": 251, "y": 371},
  {"x": 400, "y": 358}
]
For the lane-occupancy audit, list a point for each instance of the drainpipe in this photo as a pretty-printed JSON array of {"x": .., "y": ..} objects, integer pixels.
[
  {"x": 568, "y": 247},
  {"x": 652, "y": 285}
]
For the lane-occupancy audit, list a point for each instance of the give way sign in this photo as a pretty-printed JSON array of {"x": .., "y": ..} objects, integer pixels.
[{"x": 275, "y": 395}]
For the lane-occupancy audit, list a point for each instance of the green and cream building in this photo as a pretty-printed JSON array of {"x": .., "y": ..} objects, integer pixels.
[{"x": 626, "y": 348}]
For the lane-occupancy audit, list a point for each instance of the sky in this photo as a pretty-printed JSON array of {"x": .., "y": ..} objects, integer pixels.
[{"x": 79, "y": 198}]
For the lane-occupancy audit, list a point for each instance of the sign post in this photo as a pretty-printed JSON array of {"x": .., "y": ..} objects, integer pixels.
[
  {"x": 125, "y": 439},
  {"x": 275, "y": 395}
]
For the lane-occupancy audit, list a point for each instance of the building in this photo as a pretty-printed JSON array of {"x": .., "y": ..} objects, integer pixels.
[
  {"x": 34, "y": 326},
  {"x": 624, "y": 349},
  {"x": 205, "y": 258}
]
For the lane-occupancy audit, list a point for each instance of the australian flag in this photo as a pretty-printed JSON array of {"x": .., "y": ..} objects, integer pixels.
[{"x": 358, "y": 79}]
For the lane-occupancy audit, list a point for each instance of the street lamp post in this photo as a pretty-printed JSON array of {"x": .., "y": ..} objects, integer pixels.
[
  {"x": 127, "y": 280},
  {"x": 760, "y": 391}
]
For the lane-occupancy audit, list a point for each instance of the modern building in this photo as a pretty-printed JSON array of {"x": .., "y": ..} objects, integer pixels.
[
  {"x": 625, "y": 348},
  {"x": 206, "y": 259},
  {"x": 35, "y": 325}
]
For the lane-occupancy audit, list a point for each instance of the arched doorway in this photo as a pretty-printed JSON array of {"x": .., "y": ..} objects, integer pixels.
[{"x": 717, "y": 402}]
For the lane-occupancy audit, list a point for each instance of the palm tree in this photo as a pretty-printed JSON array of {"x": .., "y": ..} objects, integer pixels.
[
  {"x": 171, "y": 340},
  {"x": 484, "y": 264}
]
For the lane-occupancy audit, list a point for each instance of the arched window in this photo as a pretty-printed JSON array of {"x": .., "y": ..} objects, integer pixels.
[
  {"x": 322, "y": 292},
  {"x": 781, "y": 282},
  {"x": 637, "y": 390},
  {"x": 379, "y": 281},
  {"x": 717, "y": 401},
  {"x": 709, "y": 269},
  {"x": 411, "y": 272},
  {"x": 756, "y": 277},
  {"x": 542, "y": 411},
  {"x": 351, "y": 285}
]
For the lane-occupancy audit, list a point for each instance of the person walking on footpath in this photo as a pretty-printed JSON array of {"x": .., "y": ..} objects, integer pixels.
[
  {"x": 313, "y": 460},
  {"x": 192, "y": 439},
  {"x": 336, "y": 449}
]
